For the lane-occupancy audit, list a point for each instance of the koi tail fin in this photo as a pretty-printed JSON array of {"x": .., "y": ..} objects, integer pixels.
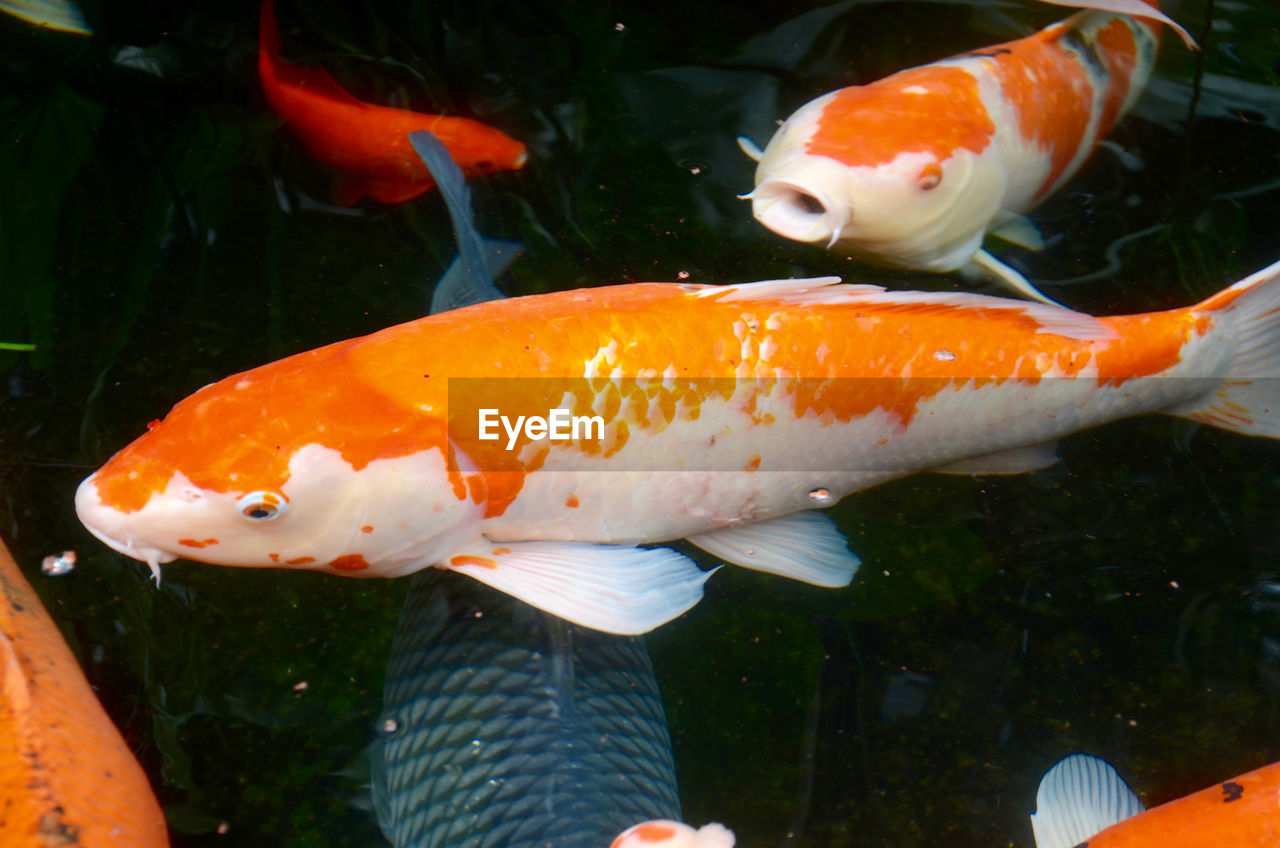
[
  {"x": 1248, "y": 398},
  {"x": 268, "y": 35}
]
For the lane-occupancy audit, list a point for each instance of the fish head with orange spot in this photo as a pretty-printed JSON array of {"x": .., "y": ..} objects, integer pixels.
[
  {"x": 917, "y": 209},
  {"x": 257, "y": 488}
]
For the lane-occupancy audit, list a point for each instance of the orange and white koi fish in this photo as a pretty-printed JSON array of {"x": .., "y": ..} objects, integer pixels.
[
  {"x": 913, "y": 171},
  {"x": 66, "y": 775},
  {"x": 1082, "y": 800},
  {"x": 367, "y": 144},
  {"x": 662, "y": 833},
  {"x": 725, "y": 415}
]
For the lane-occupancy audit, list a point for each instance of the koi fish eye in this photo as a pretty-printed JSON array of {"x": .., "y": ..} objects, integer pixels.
[
  {"x": 262, "y": 506},
  {"x": 929, "y": 177}
]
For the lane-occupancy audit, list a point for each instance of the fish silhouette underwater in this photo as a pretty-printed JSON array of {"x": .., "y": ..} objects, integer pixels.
[
  {"x": 505, "y": 726},
  {"x": 367, "y": 144},
  {"x": 727, "y": 416},
  {"x": 1083, "y": 801},
  {"x": 66, "y": 775},
  {"x": 912, "y": 171}
]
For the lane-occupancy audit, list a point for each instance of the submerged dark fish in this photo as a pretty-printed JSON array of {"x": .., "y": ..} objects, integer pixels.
[{"x": 505, "y": 726}]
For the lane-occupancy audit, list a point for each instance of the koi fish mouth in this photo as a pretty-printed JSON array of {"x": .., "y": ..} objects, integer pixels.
[
  {"x": 95, "y": 517},
  {"x": 797, "y": 211}
]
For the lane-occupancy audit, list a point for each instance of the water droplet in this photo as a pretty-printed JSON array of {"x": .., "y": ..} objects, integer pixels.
[
  {"x": 619, "y": 26},
  {"x": 300, "y": 686},
  {"x": 695, "y": 167},
  {"x": 223, "y": 828},
  {"x": 56, "y": 565},
  {"x": 682, "y": 275},
  {"x": 943, "y": 355},
  {"x": 822, "y": 497},
  {"x": 389, "y": 726}
]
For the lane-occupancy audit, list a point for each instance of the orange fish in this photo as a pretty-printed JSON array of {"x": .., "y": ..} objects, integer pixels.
[
  {"x": 913, "y": 171},
  {"x": 1083, "y": 801},
  {"x": 66, "y": 775},
  {"x": 533, "y": 443},
  {"x": 368, "y": 144}
]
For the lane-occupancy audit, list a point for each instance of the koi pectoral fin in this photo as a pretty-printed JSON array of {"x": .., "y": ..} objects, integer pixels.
[
  {"x": 749, "y": 147},
  {"x": 613, "y": 588},
  {"x": 1010, "y": 277},
  {"x": 1078, "y": 798},
  {"x": 803, "y": 546}
]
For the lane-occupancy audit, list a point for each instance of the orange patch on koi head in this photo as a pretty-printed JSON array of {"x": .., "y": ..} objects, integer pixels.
[
  {"x": 197, "y": 543},
  {"x": 933, "y": 110}
]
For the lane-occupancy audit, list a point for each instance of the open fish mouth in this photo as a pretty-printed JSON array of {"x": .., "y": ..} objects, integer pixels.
[{"x": 797, "y": 211}]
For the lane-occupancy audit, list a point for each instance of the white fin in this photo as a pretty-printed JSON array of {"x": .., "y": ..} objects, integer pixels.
[
  {"x": 1011, "y": 278},
  {"x": 1078, "y": 798},
  {"x": 829, "y": 291},
  {"x": 613, "y": 588},
  {"x": 1020, "y": 230},
  {"x": 749, "y": 147},
  {"x": 1247, "y": 316},
  {"x": 803, "y": 546},
  {"x": 1136, "y": 8},
  {"x": 1013, "y": 461}
]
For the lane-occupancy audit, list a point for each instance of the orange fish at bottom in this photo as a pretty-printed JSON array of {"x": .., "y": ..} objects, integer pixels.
[
  {"x": 366, "y": 143},
  {"x": 66, "y": 775}
]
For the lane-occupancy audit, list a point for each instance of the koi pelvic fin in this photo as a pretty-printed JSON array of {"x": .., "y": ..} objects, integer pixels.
[{"x": 803, "y": 546}]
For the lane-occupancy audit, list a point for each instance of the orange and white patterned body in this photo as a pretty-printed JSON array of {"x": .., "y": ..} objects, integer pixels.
[
  {"x": 729, "y": 414},
  {"x": 913, "y": 170}
]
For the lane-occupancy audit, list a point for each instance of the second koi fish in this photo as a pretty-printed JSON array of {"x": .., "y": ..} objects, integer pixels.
[
  {"x": 368, "y": 144},
  {"x": 728, "y": 415},
  {"x": 913, "y": 171}
]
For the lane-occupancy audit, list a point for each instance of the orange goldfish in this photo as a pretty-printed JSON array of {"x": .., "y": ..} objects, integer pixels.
[
  {"x": 66, "y": 775},
  {"x": 1083, "y": 801},
  {"x": 367, "y": 144},
  {"x": 913, "y": 171},
  {"x": 725, "y": 415}
]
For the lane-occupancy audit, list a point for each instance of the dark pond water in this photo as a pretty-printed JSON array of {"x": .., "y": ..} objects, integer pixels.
[{"x": 158, "y": 230}]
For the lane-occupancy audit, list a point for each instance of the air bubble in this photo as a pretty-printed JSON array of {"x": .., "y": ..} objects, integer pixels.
[{"x": 389, "y": 726}]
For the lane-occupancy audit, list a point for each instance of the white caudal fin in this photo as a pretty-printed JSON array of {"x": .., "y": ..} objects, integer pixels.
[
  {"x": 803, "y": 546},
  {"x": 1247, "y": 315},
  {"x": 663, "y": 833},
  {"x": 613, "y": 588},
  {"x": 1136, "y": 8},
  {"x": 1078, "y": 798}
]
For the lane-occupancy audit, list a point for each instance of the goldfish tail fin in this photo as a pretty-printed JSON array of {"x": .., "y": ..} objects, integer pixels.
[
  {"x": 1248, "y": 398},
  {"x": 1078, "y": 798},
  {"x": 268, "y": 33}
]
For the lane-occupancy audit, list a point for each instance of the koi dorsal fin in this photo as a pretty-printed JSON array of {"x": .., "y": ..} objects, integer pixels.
[
  {"x": 1133, "y": 8},
  {"x": 829, "y": 291}
]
